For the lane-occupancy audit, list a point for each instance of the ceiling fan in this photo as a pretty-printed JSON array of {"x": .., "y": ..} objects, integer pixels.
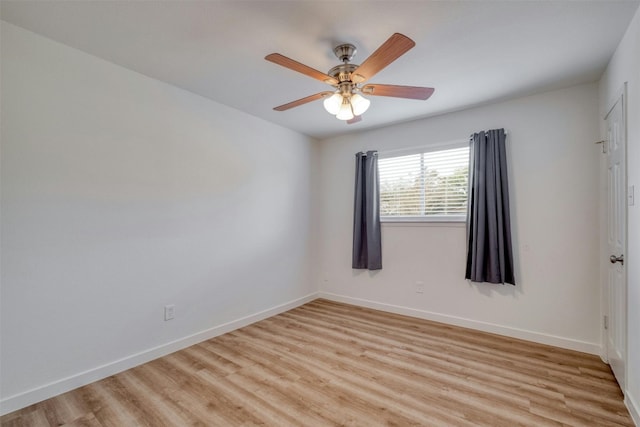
[{"x": 349, "y": 80}]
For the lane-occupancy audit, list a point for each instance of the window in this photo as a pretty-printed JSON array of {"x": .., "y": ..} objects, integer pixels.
[{"x": 425, "y": 185}]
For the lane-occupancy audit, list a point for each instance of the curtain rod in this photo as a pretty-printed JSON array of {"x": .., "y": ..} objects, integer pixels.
[
  {"x": 417, "y": 148},
  {"x": 459, "y": 141},
  {"x": 505, "y": 132}
]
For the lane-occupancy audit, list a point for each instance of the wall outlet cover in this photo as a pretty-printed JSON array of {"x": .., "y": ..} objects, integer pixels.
[{"x": 169, "y": 312}]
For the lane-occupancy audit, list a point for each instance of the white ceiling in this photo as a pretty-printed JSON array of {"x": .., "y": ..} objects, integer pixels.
[{"x": 471, "y": 52}]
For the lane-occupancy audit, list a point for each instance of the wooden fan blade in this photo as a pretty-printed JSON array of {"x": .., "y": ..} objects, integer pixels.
[
  {"x": 355, "y": 119},
  {"x": 289, "y": 63},
  {"x": 395, "y": 46},
  {"x": 411, "y": 92},
  {"x": 303, "y": 101}
]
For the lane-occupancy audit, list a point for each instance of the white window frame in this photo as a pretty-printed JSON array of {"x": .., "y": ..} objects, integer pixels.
[{"x": 417, "y": 150}]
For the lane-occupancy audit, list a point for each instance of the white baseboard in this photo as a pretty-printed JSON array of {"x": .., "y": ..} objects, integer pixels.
[
  {"x": 634, "y": 408},
  {"x": 585, "y": 347},
  {"x": 21, "y": 400}
]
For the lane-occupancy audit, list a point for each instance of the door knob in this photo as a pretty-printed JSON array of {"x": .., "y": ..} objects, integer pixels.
[{"x": 615, "y": 259}]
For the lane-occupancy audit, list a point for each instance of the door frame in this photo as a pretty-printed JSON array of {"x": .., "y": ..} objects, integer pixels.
[{"x": 620, "y": 95}]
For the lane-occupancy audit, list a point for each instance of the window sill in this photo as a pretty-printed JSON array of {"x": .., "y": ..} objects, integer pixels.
[{"x": 421, "y": 222}]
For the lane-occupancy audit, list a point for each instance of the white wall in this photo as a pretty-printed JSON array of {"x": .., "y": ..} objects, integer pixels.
[
  {"x": 625, "y": 67},
  {"x": 121, "y": 194},
  {"x": 553, "y": 165}
]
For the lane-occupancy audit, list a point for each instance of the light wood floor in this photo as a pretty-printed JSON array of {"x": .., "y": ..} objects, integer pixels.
[{"x": 326, "y": 364}]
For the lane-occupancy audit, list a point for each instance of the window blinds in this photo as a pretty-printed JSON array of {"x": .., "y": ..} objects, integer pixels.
[{"x": 425, "y": 185}]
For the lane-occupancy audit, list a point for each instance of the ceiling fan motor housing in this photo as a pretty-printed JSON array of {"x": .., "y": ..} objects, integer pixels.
[{"x": 342, "y": 73}]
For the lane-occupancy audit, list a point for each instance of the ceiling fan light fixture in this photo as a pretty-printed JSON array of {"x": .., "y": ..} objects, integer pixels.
[
  {"x": 333, "y": 103},
  {"x": 346, "y": 112},
  {"x": 360, "y": 104}
]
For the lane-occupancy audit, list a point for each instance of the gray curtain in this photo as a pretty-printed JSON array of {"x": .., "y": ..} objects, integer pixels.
[
  {"x": 367, "y": 248},
  {"x": 489, "y": 250}
]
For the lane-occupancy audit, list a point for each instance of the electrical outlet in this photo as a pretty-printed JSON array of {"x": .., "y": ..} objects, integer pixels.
[
  {"x": 419, "y": 287},
  {"x": 169, "y": 312}
]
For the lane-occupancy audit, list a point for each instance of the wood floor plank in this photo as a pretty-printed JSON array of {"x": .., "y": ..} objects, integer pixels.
[
  {"x": 34, "y": 417},
  {"x": 320, "y": 383},
  {"x": 327, "y": 363},
  {"x": 351, "y": 366},
  {"x": 88, "y": 420}
]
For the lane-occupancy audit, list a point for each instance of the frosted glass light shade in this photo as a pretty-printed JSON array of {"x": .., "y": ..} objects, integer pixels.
[
  {"x": 345, "y": 112},
  {"x": 333, "y": 103},
  {"x": 360, "y": 104}
]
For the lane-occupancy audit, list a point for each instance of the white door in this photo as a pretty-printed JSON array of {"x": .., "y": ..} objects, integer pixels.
[{"x": 616, "y": 235}]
